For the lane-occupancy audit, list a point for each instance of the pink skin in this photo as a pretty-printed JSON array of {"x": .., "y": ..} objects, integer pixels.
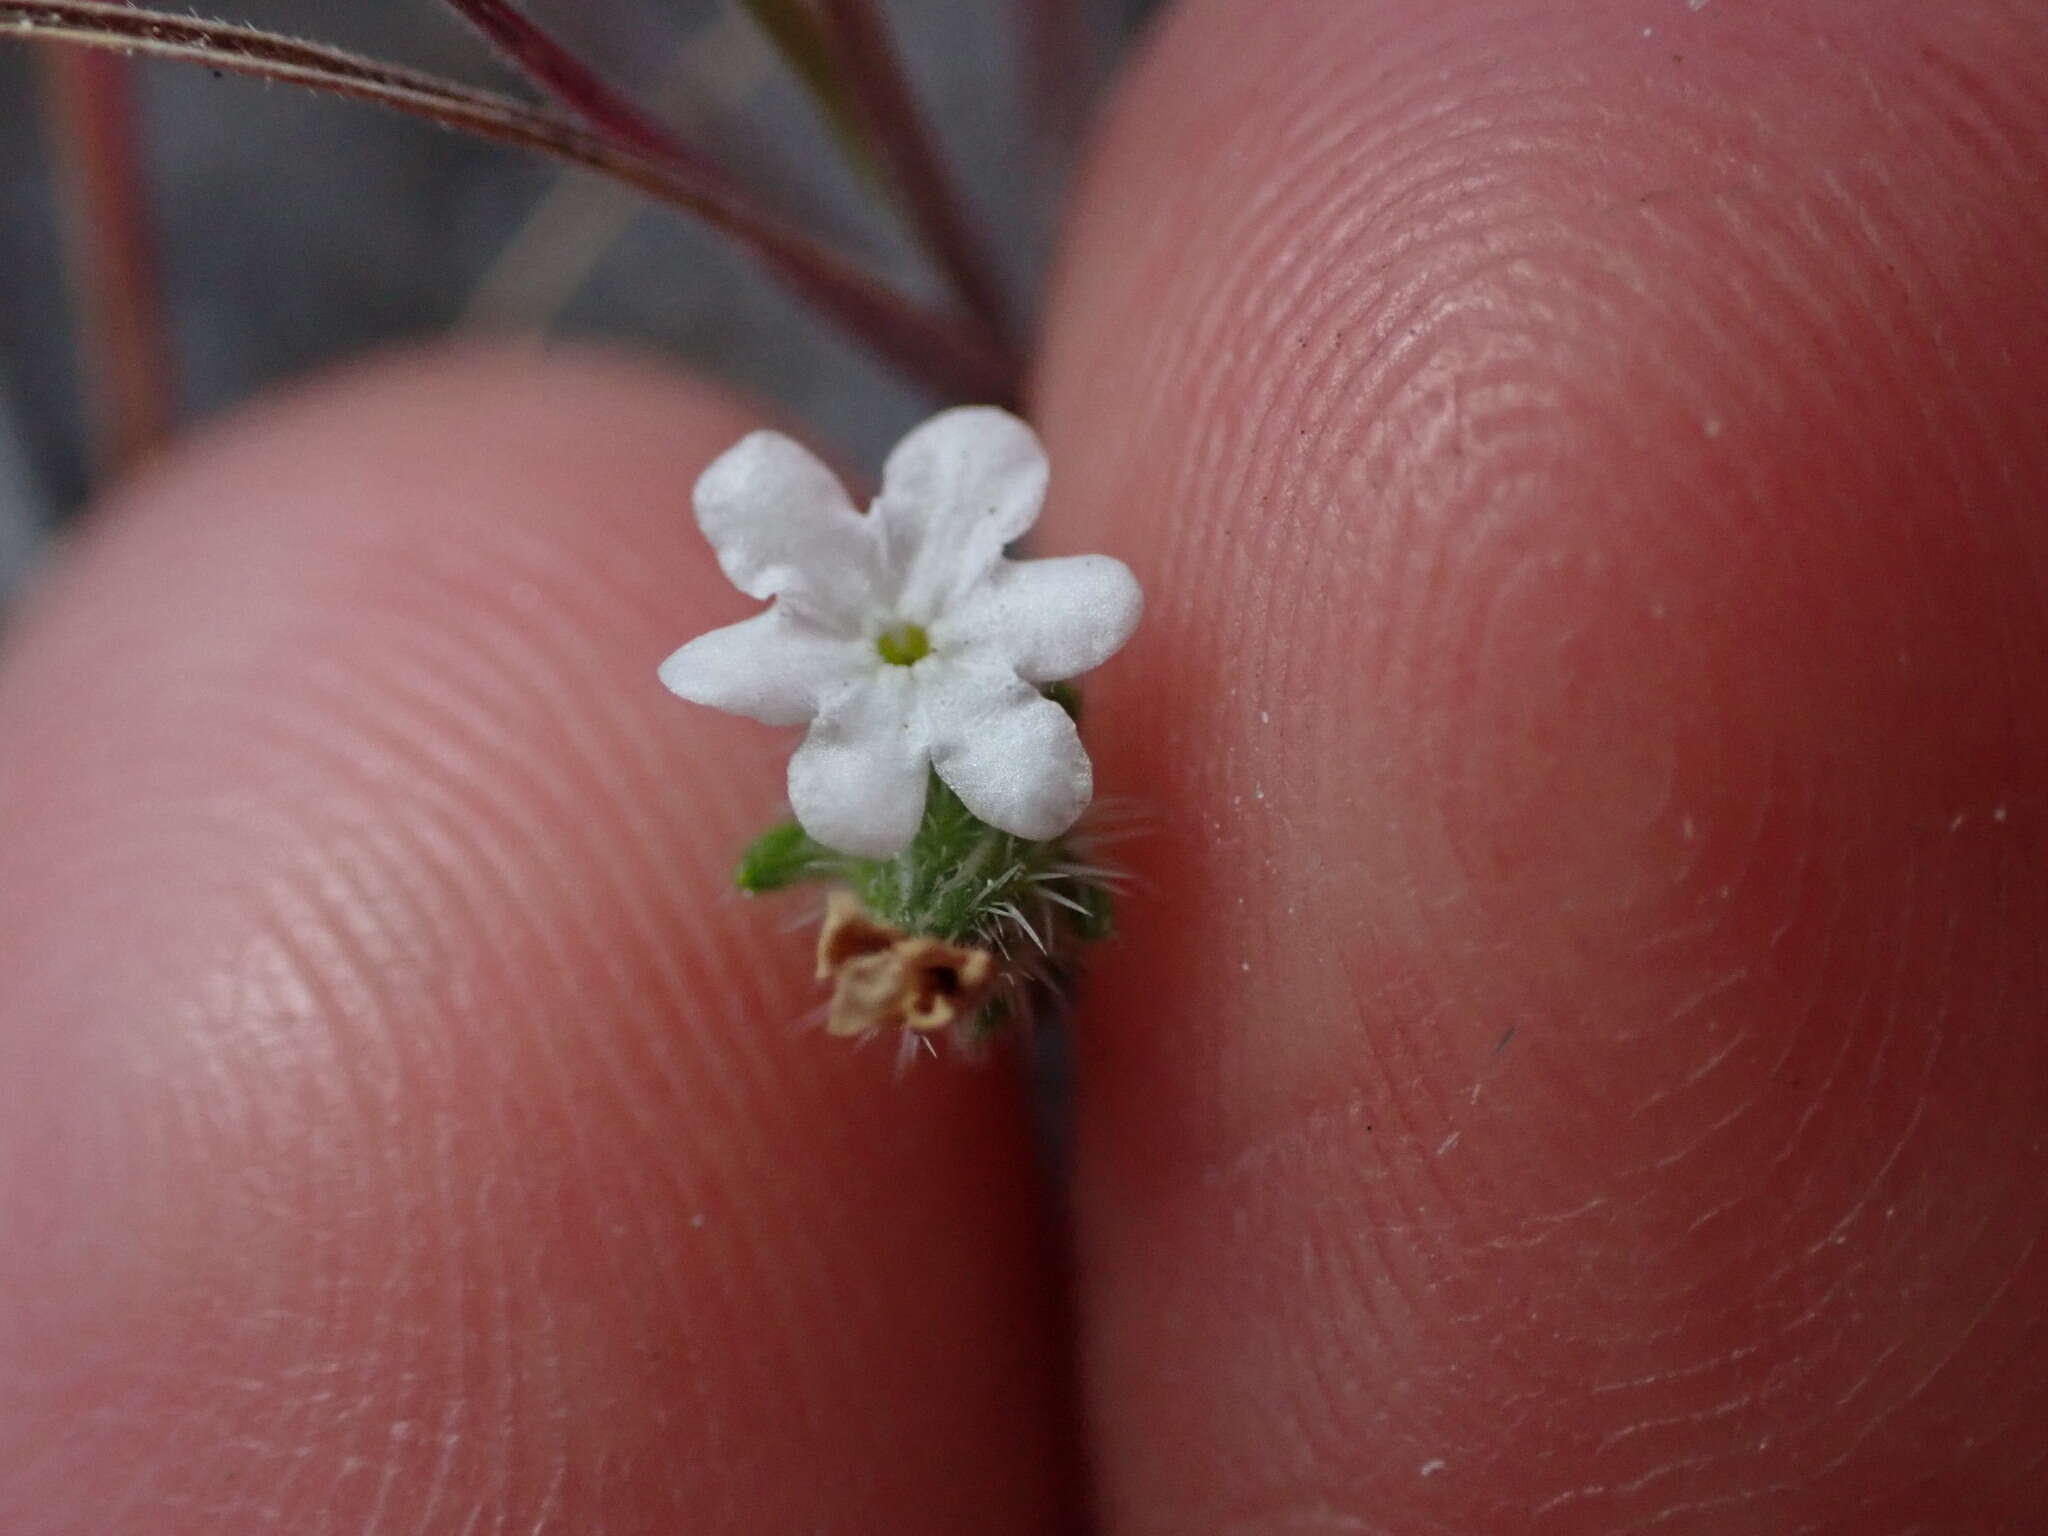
[
  {"x": 1577, "y": 1065},
  {"x": 404, "y": 1120},
  {"x": 1594, "y": 493}
]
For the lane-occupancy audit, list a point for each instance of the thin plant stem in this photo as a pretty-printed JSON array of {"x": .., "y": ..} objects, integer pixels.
[
  {"x": 949, "y": 359},
  {"x": 580, "y": 216},
  {"x": 859, "y": 38},
  {"x": 1057, "y": 44},
  {"x": 792, "y": 26},
  {"x": 854, "y": 33},
  {"x": 574, "y": 84},
  {"x": 110, "y": 255}
]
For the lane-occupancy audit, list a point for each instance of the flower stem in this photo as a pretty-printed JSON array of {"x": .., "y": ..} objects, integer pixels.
[
  {"x": 792, "y": 26},
  {"x": 859, "y": 39},
  {"x": 576, "y": 86},
  {"x": 124, "y": 358},
  {"x": 579, "y": 217},
  {"x": 1062, "y": 67},
  {"x": 954, "y": 362}
]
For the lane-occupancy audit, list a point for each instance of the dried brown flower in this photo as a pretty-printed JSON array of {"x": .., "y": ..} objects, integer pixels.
[{"x": 884, "y": 978}]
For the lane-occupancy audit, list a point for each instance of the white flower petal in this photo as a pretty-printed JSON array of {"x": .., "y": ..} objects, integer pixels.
[
  {"x": 782, "y": 525},
  {"x": 1047, "y": 619},
  {"x": 954, "y": 492},
  {"x": 1010, "y": 754},
  {"x": 776, "y": 667},
  {"x": 857, "y": 783}
]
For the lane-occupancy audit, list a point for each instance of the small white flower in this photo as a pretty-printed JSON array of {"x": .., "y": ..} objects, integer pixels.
[{"x": 903, "y": 636}]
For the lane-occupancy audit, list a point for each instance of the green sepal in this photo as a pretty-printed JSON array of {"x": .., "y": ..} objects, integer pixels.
[{"x": 782, "y": 856}]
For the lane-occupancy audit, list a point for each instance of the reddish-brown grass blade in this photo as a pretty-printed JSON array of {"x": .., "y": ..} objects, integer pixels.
[{"x": 946, "y": 357}]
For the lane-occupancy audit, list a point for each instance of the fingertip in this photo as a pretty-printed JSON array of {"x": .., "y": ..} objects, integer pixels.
[
  {"x": 1584, "y": 466},
  {"x": 415, "y": 1121}
]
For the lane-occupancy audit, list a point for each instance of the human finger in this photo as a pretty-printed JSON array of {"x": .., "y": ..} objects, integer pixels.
[
  {"x": 402, "y": 1128},
  {"x": 1578, "y": 1065}
]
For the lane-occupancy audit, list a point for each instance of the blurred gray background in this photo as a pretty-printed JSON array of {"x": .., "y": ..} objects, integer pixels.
[{"x": 294, "y": 230}]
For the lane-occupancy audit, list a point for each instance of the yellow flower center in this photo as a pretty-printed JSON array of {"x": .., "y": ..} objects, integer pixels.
[{"x": 903, "y": 645}]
